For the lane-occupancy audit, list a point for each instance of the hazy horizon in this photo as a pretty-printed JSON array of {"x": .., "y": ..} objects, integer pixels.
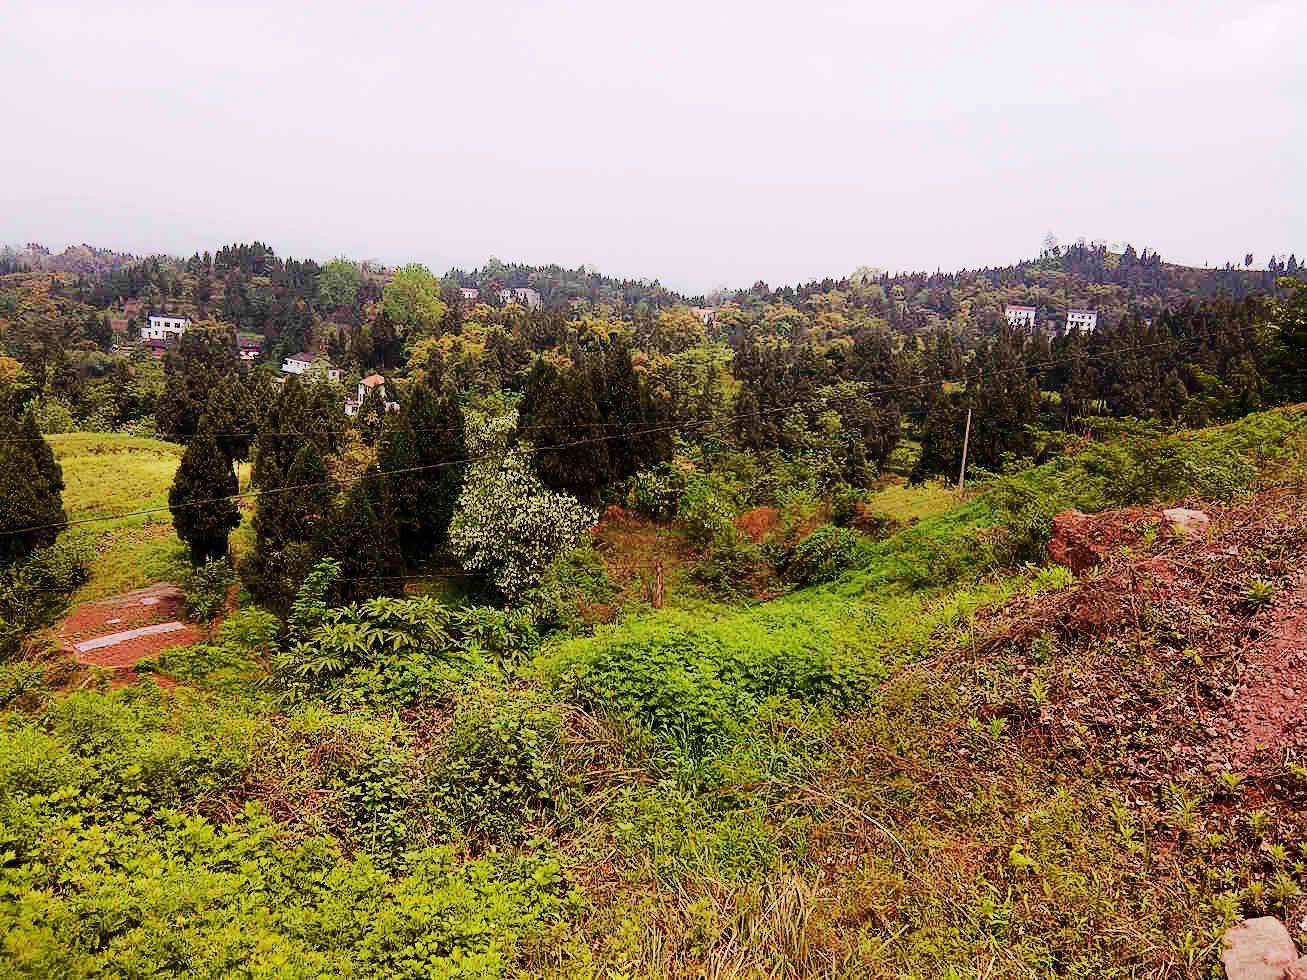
[{"x": 709, "y": 145}]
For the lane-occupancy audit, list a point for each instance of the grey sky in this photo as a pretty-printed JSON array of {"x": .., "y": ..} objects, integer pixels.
[{"x": 702, "y": 143}]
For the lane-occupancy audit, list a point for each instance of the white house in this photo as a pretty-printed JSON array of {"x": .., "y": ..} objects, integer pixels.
[
  {"x": 521, "y": 294},
  {"x": 1020, "y": 316},
  {"x": 304, "y": 362},
  {"x": 297, "y": 363},
  {"x": 705, "y": 313},
  {"x": 163, "y": 326},
  {"x": 1085, "y": 320},
  {"x": 469, "y": 294},
  {"x": 373, "y": 382}
]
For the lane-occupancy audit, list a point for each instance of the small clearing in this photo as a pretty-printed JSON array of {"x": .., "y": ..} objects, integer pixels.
[{"x": 123, "y": 630}]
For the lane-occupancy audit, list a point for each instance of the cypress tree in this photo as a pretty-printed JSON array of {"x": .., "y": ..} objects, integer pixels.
[
  {"x": 31, "y": 487},
  {"x": 426, "y": 432},
  {"x": 558, "y": 409},
  {"x": 202, "y": 518},
  {"x": 362, "y": 537}
]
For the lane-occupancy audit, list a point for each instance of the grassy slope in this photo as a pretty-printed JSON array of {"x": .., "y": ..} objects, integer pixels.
[{"x": 107, "y": 474}]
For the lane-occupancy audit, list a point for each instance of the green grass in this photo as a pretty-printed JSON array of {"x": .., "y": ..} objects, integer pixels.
[
  {"x": 110, "y": 474},
  {"x": 107, "y": 474},
  {"x": 907, "y": 503}
]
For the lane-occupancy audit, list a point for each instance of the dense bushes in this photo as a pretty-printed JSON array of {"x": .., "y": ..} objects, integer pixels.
[
  {"x": 696, "y": 686},
  {"x": 822, "y": 555},
  {"x": 189, "y": 898},
  {"x": 502, "y": 765},
  {"x": 398, "y": 651},
  {"x": 206, "y": 589},
  {"x": 34, "y": 590},
  {"x": 1142, "y": 465}
]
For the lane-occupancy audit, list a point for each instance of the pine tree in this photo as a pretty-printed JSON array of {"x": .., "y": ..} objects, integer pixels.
[
  {"x": 560, "y": 418},
  {"x": 200, "y": 512},
  {"x": 424, "y": 446},
  {"x": 229, "y": 414},
  {"x": 31, "y": 487},
  {"x": 363, "y": 537}
]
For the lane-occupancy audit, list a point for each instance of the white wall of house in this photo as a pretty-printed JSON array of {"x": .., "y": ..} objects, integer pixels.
[
  {"x": 165, "y": 327},
  {"x": 1086, "y": 320},
  {"x": 1019, "y": 316}
]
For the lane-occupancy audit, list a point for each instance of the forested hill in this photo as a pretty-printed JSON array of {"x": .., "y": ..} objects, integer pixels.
[
  {"x": 1078, "y": 276},
  {"x": 1113, "y": 284}
]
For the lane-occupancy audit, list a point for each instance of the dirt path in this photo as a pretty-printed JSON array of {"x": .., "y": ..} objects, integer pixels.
[
  {"x": 1269, "y": 709},
  {"x": 122, "y": 630}
]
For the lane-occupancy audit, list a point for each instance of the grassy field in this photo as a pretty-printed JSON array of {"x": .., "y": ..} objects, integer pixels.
[{"x": 107, "y": 474}]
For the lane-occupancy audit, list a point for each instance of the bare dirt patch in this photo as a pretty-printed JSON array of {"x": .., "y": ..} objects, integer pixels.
[
  {"x": 141, "y": 618},
  {"x": 1269, "y": 709},
  {"x": 1157, "y": 657}
]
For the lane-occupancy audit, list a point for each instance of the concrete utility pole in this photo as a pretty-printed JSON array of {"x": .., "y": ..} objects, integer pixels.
[{"x": 966, "y": 439}]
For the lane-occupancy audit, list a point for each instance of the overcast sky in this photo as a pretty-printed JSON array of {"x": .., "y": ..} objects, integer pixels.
[{"x": 702, "y": 143}]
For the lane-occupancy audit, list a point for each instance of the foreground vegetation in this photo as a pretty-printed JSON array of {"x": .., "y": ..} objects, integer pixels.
[{"x": 887, "y": 772}]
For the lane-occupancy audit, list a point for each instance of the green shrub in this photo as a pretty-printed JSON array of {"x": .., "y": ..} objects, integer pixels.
[
  {"x": 35, "y": 590},
  {"x": 21, "y": 682},
  {"x": 822, "y": 555},
  {"x": 206, "y": 589},
  {"x": 656, "y": 492},
  {"x": 399, "y": 651},
  {"x": 190, "y": 898},
  {"x": 503, "y": 766},
  {"x": 706, "y": 511},
  {"x": 694, "y": 686}
]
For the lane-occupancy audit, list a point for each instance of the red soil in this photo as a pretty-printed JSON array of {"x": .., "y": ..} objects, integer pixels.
[
  {"x": 162, "y": 603},
  {"x": 757, "y": 522},
  {"x": 1270, "y": 708}
]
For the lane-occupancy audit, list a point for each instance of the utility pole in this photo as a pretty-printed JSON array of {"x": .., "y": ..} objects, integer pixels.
[{"x": 966, "y": 439}]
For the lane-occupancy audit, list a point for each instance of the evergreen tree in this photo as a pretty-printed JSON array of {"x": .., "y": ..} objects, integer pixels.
[
  {"x": 200, "y": 512},
  {"x": 203, "y": 356},
  {"x": 425, "y": 438},
  {"x": 941, "y": 436},
  {"x": 288, "y": 529},
  {"x": 558, "y": 415},
  {"x": 230, "y": 415},
  {"x": 31, "y": 488},
  {"x": 362, "y": 537}
]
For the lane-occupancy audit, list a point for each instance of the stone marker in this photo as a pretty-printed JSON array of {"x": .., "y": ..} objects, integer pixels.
[
  {"x": 1259, "y": 949},
  {"x": 1184, "y": 523}
]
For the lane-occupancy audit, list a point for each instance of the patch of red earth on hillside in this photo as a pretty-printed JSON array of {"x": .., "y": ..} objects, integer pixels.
[
  {"x": 160, "y": 603},
  {"x": 1269, "y": 710},
  {"x": 1161, "y": 661},
  {"x": 758, "y": 522},
  {"x": 156, "y": 605},
  {"x": 136, "y": 649},
  {"x": 1082, "y": 541}
]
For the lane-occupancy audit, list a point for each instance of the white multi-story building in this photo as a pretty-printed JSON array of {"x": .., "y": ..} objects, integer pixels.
[
  {"x": 373, "y": 382},
  {"x": 303, "y": 363},
  {"x": 165, "y": 327},
  {"x": 1086, "y": 320},
  {"x": 1020, "y": 316},
  {"x": 297, "y": 363},
  {"x": 521, "y": 294}
]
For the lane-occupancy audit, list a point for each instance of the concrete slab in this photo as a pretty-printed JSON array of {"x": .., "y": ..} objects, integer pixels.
[{"x": 115, "y": 638}]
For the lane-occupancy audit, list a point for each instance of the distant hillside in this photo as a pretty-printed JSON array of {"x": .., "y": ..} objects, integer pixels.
[{"x": 971, "y": 301}]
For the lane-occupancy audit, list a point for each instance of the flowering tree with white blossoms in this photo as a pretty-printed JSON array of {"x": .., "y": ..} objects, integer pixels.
[{"x": 508, "y": 525}]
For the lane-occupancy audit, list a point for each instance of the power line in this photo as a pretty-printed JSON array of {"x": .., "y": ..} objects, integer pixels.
[{"x": 534, "y": 450}]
